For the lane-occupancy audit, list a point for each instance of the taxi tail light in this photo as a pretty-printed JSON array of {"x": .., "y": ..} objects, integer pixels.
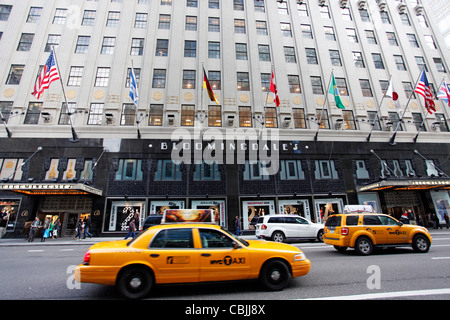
[
  {"x": 344, "y": 231},
  {"x": 263, "y": 227},
  {"x": 87, "y": 257}
]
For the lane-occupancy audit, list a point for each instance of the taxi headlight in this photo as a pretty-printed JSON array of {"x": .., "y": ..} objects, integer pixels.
[{"x": 299, "y": 257}]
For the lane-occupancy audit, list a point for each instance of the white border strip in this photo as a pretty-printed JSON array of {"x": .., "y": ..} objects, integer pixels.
[{"x": 388, "y": 295}]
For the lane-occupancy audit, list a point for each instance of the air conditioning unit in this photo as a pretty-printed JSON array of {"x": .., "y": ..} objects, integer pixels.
[
  {"x": 344, "y": 3},
  {"x": 382, "y": 4},
  {"x": 322, "y": 3}
]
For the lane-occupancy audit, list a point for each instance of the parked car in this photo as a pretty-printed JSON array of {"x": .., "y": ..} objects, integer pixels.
[{"x": 282, "y": 227}]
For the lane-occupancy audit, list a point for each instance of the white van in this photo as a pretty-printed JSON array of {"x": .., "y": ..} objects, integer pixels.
[{"x": 282, "y": 227}]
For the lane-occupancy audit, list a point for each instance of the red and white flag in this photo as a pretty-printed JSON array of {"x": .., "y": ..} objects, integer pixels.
[
  {"x": 48, "y": 74},
  {"x": 273, "y": 89},
  {"x": 391, "y": 93},
  {"x": 423, "y": 88}
]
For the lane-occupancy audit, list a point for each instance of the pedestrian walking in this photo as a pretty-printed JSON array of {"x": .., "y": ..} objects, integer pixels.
[
  {"x": 50, "y": 229},
  {"x": 79, "y": 230},
  {"x": 237, "y": 226},
  {"x": 436, "y": 220},
  {"x": 45, "y": 230},
  {"x": 56, "y": 228},
  {"x": 87, "y": 225},
  {"x": 131, "y": 230},
  {"x": 404, "y": 217},
  {"x": 35, "y": 225},
  {"x": 446, "y": 220}
]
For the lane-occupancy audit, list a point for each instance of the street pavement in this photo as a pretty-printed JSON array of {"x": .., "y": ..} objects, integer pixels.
[
  {"x": 44, "y": 271},
  {"x": 6, "y": 242}
]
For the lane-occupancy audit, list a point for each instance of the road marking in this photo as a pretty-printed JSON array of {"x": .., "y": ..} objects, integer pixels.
[
  {"x": 66, "y": 249},
  {"x": 440, "y": 258},
  {"x": 383, "y": 295},
  {"x": 35, "y": 250}
]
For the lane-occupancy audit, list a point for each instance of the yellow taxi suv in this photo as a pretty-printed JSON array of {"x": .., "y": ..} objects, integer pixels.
[
  {"x": 189, "y": 253},
  {"x": 364, "y": 231}
]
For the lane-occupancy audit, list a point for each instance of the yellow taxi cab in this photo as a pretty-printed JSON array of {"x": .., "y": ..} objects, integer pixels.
[
  {"x": 189, "y": 253},
  {"x": 365, "y": 230}
]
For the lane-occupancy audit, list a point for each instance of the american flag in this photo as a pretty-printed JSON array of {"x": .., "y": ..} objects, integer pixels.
[
  {"x": 48, "y": 74},
  {"x": 423, "y": 88}
]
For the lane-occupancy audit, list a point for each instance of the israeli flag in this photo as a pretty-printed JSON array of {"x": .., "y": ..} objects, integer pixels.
[{"x": 133, "y": 88}]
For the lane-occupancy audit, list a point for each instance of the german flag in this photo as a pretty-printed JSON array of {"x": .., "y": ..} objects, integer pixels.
[{"x": 207, "y": 86}]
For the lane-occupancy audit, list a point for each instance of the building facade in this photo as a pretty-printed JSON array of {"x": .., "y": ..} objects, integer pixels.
[{"x": 85, "y": 149}]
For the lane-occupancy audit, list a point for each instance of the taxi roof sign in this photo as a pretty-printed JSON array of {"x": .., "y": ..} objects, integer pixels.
[
  {"x": 188, "y": 215},
  {"x": 359, "y": 208}
]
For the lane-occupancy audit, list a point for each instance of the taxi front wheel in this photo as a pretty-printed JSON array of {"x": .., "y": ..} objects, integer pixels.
[
  {"x": 275, "y": 275},
  {"x": 135, "y": 282}
]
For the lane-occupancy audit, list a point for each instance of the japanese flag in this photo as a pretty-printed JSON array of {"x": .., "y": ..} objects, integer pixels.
[{"x": 391, "y": 93}]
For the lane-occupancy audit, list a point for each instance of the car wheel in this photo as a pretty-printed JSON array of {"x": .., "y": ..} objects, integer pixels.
[
  {"x": 320, "y": 236},
  {"x": 275, "y": 275},
  {"x": 278, "y": 236},
  {"x": 363, "y": 246},
  {"x": 420, "y": 243},
  {"x": 135, "y": 282}
]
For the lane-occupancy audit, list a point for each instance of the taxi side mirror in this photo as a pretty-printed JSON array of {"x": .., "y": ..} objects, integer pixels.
[
  {"x": 400, "y": 223},
  {"x": 235, "y": 245}
]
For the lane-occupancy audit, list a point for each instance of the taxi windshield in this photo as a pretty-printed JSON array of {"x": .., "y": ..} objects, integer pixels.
[{"x": 236, "y": 237}]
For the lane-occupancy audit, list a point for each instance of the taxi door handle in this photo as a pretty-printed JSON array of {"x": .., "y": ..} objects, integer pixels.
[
  {"x": 206, "y": 255},
  {"x": 154, "y": 255}
]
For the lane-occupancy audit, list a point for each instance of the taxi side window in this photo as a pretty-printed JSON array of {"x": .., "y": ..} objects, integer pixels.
[
  {"x": 352, "y": 220},
  {"x": 215, "y": 239},
  {"x": 387, "y": 221},
  {"x": 371, "y": 220},
  {"x": 173, "y": 239}
]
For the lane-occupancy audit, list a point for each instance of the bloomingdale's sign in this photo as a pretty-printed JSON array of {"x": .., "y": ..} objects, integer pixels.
[{"x": 232, "y": 146}]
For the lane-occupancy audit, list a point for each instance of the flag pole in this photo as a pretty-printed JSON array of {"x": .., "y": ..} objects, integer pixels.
[
  {"x": 136, "y": 104},
  {"x": 8, "y": 133},
  {"x": 426, "y": 114},
  {"x": 74, "y": 138},
  {"x": 379, "y": 107},
  {"x": 392, "y": 139},
  {"x": 323, "y": 107}
]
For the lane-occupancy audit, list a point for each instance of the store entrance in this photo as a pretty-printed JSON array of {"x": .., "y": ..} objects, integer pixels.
[
  {"x": 398, "y": 202},
  {"x": 69, "y": 209}
]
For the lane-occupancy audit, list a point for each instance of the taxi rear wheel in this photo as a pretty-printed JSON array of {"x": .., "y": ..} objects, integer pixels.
[
  {"x": 135, "y": 282},
  {"x": 363, "y": 246},
  {"x": 275, "y": 275},
  {"x": 420, "y": 244}
]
